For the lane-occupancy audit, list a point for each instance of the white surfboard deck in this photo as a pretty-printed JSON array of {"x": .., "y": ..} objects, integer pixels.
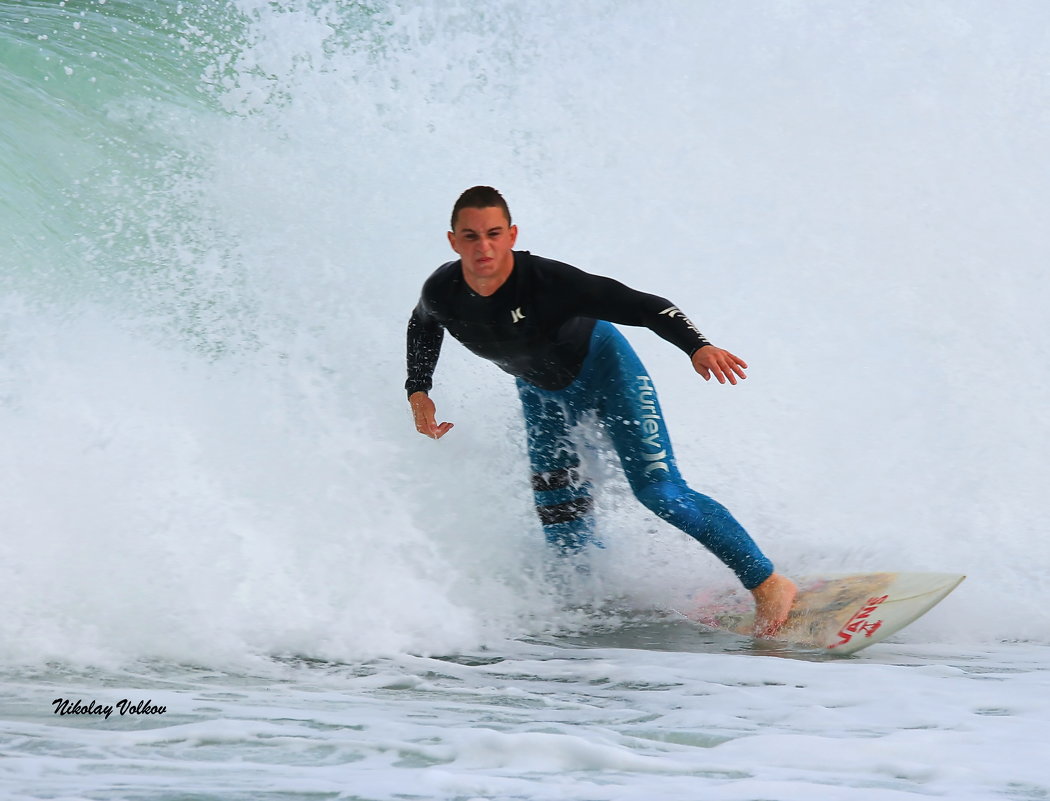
[{"x": 838, "y": 613}]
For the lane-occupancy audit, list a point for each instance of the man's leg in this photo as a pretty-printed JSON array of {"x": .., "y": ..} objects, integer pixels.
[
  {"x": 631, "y": 414},
  {"x": 563, "y": 499}
]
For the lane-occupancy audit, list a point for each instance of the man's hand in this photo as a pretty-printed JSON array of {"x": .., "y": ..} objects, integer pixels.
[
  {"x": 423, "y": 413},
  {"x": 722, "y": 364}
]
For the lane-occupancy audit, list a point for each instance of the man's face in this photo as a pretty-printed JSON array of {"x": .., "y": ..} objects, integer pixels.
[{"x": 483, "y": 238}]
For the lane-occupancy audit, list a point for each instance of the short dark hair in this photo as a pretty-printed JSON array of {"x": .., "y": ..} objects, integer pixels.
[{"x": 480, "y": 197}]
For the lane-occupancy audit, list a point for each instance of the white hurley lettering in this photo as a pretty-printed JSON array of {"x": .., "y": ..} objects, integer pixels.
[{"x": 650, "y": 426}]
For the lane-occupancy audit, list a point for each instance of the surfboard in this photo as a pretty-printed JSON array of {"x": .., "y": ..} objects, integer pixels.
[{"x": 840, "y": 614}]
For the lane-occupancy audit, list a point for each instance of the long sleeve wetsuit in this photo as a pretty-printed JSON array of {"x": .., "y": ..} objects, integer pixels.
[{"x": 548, "y": 325}]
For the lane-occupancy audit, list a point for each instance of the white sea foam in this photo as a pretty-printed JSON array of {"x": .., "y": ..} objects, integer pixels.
[{"x": 549, "y": 721}]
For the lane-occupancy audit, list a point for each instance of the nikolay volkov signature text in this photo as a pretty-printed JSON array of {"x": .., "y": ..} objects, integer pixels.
[{"x": 64, "y": 706}]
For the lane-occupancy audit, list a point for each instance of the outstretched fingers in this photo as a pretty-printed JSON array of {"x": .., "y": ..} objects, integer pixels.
[
  {"x": 722, "y": 364},
  {"x": 733, "y": 367},
  {"x": 439, "y": 430}
]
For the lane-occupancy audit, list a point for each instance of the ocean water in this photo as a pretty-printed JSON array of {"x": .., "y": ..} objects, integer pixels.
[{"x": 222, "y": 538}]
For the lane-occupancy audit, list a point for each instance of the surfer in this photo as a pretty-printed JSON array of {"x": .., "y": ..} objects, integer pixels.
[{"x": 550, "y": 326}]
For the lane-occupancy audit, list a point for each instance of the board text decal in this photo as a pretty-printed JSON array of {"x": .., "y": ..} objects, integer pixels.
[{"x": 860, "y": 623}]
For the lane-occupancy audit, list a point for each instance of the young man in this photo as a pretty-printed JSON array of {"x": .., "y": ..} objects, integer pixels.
[{"x": 550, "y": 326}]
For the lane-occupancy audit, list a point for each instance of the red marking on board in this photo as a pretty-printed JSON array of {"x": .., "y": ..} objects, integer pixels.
[{"x": 859, "y": 623}]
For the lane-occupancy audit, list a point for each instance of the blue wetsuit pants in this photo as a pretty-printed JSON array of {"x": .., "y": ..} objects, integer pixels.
[{"x": 614, "y": 385}]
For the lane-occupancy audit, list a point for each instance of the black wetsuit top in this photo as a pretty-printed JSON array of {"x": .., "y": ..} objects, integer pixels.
[{"x": 537, "y": 325}]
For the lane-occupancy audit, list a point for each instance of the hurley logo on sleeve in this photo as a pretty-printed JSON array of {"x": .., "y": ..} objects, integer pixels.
[{"x": 675, "y": 313}]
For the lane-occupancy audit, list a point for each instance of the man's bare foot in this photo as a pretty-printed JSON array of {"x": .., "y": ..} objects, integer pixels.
[{"x": 773, "y": 600}]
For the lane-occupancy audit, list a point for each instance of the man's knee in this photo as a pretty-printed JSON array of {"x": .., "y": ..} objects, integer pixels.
[
  {"x": 565, "y": 512},
  {"x": 565, "y": 507},
  {"x": 660, "y": 497},
  {"x": 675, "y": 502},
  {"x": 559, "y": 479}
]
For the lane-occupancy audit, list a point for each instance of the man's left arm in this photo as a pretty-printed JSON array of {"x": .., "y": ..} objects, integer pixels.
[{"x": 608, "y": 299}]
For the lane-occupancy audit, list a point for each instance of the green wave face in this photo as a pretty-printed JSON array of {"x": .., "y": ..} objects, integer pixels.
[
  {"x": 98, "y": 97},
  {"x": 116, "y": 114}
]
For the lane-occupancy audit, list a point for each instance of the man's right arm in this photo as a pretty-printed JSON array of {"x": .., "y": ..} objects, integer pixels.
[
  {"x": 425, "y": 416},
  {"x": 425, "y": 335},
  {"x": 424, "y": 339}
]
